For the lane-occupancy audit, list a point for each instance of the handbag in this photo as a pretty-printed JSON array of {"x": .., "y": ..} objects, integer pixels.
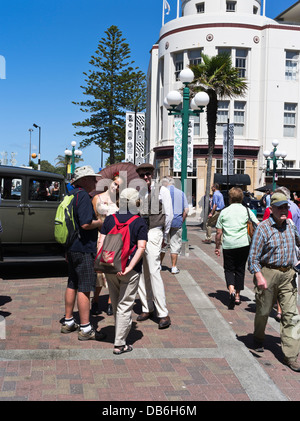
[{"x": 251, "y": 226}]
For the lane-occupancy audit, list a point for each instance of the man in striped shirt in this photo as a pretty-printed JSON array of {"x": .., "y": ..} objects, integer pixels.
[{"x": 271, "y": 260}]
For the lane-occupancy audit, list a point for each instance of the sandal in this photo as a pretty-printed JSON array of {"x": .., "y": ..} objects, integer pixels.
[
  {"x": 120, "y": 350},
  {"x": 278, "y": 317},
  {"x": 237, "y": 301}
]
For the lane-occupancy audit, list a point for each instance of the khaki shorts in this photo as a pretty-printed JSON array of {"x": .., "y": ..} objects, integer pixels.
[{"x": 174, "y": 241}]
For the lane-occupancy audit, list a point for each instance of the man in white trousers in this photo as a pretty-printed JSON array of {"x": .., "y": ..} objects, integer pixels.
[{"x": 156, "y": 209}]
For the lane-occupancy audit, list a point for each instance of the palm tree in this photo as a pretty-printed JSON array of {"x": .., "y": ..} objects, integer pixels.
[
  {"x": 63, "y": 161},
  {"x": 216, "y": 76}
]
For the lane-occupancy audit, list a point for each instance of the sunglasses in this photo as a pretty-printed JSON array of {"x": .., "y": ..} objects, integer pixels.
[{"x": 147, "y": 174}]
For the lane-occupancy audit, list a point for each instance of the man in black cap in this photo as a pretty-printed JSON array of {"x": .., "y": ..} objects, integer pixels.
[{"x": 156, "y": 209}]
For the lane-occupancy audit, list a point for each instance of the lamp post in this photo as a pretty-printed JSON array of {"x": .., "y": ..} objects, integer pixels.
[
  {"x": 274, "y": 156},
  {"x": 195, "y": 107},
  {"x": 39, "y": 155},
  {"x": 73, "y": 154},
  {"x": 30, "y": 131}
]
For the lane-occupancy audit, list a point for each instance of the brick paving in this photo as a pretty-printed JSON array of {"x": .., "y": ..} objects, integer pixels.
[{"x": 191, "y": 361}]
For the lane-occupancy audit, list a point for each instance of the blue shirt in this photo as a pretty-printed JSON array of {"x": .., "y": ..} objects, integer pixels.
[
  {"x": 179, "y": 203},
  {"x": 218, "y": 200},
  {"x": 84, "y": 214}
]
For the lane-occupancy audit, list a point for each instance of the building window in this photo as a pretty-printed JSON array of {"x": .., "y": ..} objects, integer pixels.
[
  {"x": 222, "y": 116},
  {"x": 291, "y": 65},
  {"x": 255, "y": 10},
  {"x": 289, "y": 164},
  {"x": 219, "y": 166},
  {"x": 239, "y": 57},
  {"x": 239, "y": 117},
  {"x": 196, "y": 124},
  {"x": 240, "y": 61},
  {"x": 239, "y": 166},
  {"x": 194, "y": 57},
  {"x": 178, "y": 63},
  {"x": 230, "y": 6},
  {"x": 289, "y": 121},
  {"x": 200, "y": 7}
]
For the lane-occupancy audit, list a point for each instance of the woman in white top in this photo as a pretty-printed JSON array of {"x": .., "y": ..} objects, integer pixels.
[{"x": 105, "y": 204}]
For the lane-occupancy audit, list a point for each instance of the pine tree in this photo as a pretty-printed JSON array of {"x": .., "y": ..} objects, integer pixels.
[{"x": 114, "y": 86}]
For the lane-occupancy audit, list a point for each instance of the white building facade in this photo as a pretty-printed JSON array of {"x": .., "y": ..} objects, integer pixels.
[{"x": 266, "y": 52}]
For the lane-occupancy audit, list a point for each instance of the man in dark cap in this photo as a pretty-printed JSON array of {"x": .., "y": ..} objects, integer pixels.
[
  {"x": 156, "y": 209},
  {"x": 271, "y": 260}
]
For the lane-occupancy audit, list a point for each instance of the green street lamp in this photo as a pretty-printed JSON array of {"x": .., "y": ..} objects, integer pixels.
[
  {"x": 73, "y": 154},
  {"x": 274, "y": 157},
  {"x": 195, "y": 107}
]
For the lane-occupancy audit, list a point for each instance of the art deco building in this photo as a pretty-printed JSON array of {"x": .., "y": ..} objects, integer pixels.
[{"x": 266, "y": 52}]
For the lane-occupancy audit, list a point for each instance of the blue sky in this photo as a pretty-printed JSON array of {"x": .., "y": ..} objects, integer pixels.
[{"x": 47, "y": 45}]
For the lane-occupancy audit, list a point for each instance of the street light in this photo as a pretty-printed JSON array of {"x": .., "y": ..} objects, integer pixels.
[
  {"x": 73, "y": 154},
  {"x": 173, "y": 100},
  {"x": 30, "y": 130},
  {"x": 39, "y": 155},
  {"x": 274, "y": 156}
]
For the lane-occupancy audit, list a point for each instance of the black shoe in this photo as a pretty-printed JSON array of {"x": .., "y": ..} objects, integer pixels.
[
  {"x": 231, "y": 301},
  {"x": 109, "y": 310},
  {"x": 95, "y": 310},
  {"x": 258, "y": 345},
  {"x": 164, "y": 322}
]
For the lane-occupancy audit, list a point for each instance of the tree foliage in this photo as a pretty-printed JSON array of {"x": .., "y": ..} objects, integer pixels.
[
  {"x": 216, "y": 76},
  {"x": 113, "y": 87}
]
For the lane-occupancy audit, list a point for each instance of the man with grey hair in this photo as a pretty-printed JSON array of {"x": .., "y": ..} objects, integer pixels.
[
  {"x": 156, "y": 209},
  {"x": 180, "y": 210}
]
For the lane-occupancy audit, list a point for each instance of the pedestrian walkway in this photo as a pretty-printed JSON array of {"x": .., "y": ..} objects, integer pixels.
[{"x": 205, "y": 355}]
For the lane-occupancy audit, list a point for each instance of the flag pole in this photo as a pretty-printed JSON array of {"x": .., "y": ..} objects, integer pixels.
[
  {"x": 177, "y": 9},
  {"x": 163, "y": 13}
]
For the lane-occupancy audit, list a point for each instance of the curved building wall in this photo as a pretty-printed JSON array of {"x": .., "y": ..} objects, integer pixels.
[{"x": 261, "y": 48}]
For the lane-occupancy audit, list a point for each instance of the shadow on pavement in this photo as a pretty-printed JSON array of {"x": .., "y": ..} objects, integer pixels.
[{"x": 33, "y": 270}]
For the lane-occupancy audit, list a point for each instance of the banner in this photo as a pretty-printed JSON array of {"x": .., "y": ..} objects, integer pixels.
[
  {"x": 228, "y": 149},
  {"x": 178, "y": 146},
  {"x": 135, "y": 137}
]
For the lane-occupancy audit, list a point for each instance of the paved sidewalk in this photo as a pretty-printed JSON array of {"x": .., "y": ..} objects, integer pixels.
[{"x": 204, "y": 356}]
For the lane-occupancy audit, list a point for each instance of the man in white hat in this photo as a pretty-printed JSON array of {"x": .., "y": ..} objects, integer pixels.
[{"x": 81, "y": 255}]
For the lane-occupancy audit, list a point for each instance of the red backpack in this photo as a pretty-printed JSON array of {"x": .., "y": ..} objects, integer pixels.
[{"x": 115, "y": 251}]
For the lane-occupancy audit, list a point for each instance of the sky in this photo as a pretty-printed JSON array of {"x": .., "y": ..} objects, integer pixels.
[{"x": 45, "y": 46}]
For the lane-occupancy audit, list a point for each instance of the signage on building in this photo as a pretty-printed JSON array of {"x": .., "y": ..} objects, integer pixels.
[
  {"x": 228, "y": 150},
  {"x": 178, "y": 146},
  {"x": 135, "y": 137}
]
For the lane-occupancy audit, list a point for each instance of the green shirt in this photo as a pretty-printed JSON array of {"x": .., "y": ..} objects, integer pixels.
[{"x": 233, "y": 222}]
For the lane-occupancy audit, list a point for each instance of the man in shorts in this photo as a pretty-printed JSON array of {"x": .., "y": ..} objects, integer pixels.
[
  {"x": 180, "y": 210},
  {"x": 80, "y": 256}
]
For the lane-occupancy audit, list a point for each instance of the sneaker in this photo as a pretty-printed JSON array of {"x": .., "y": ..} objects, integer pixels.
[
  {"x": 174, "y": 270},
  {"x": 69, "y": 328},
  {"x": 91, "y": 334}
]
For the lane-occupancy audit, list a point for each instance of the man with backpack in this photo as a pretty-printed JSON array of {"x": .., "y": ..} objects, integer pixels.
[
  {"x": 81, "y": 254},
  {"x": 156, "y": 209}
]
